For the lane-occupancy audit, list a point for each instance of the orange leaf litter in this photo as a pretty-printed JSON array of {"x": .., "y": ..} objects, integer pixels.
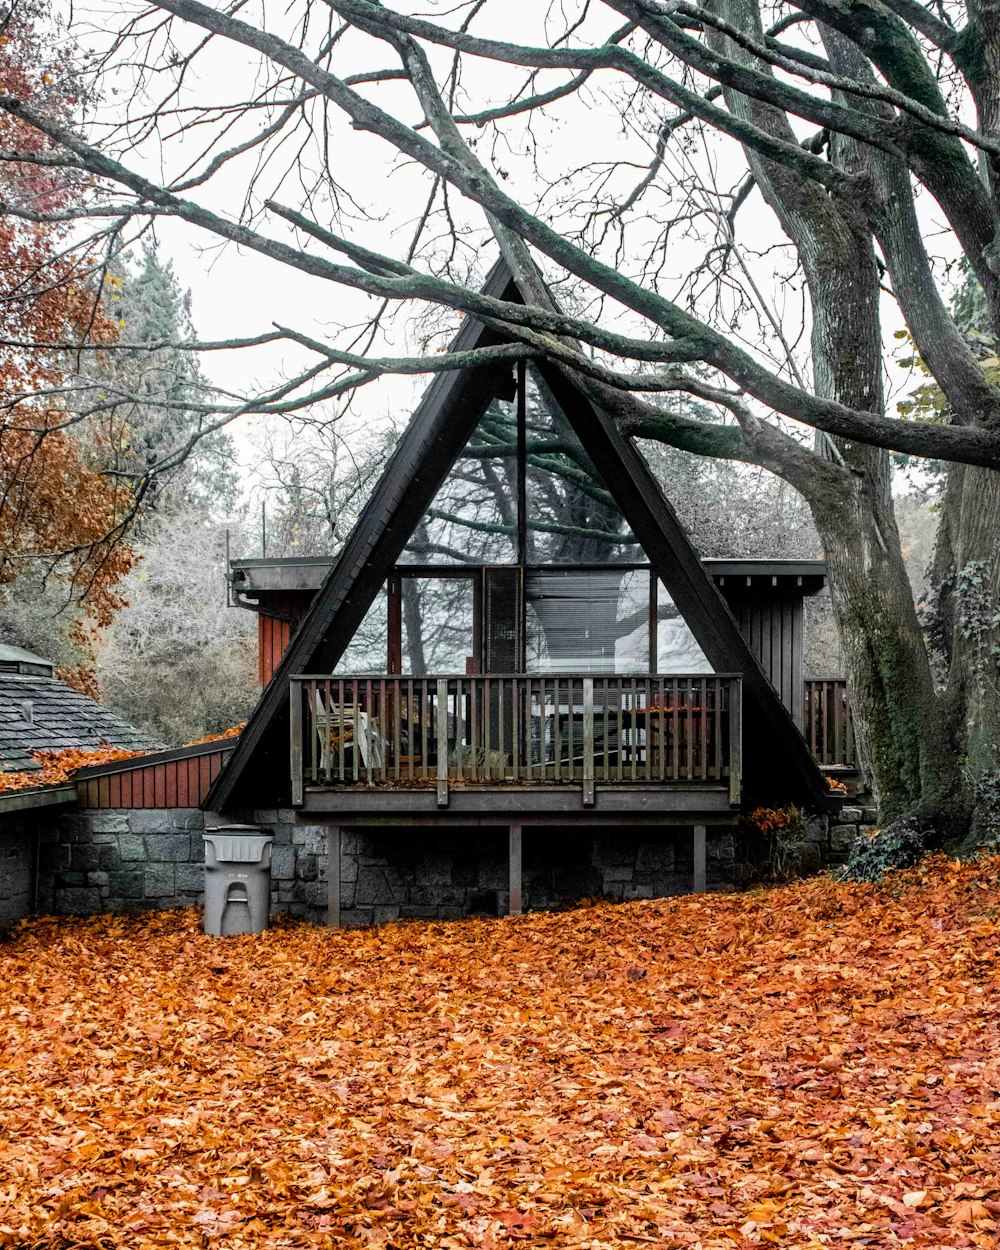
[{"x": 817, "y": 1065}]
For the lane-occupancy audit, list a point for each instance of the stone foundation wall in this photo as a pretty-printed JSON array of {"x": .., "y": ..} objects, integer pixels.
[
  {"x": 834, "y": 835},
  {"x": 17, "y": 853},
  {"x": 124, "y": 861},
  {"x": 436, "y": 874}
]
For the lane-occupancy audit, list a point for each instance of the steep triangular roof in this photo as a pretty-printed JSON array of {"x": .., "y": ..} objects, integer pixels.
[{"x": 776, "y": 758}]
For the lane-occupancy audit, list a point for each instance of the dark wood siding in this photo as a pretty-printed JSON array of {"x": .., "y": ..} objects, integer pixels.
[
  {"x": 182, "y": 781},
  {"x": 771, "y": 622},
  {"x": 273, "y": 636}
]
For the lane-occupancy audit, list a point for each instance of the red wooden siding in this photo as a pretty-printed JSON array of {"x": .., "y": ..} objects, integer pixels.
[
  {"x": 179, "y": 782},
  {"x": 273, "y": 636}
]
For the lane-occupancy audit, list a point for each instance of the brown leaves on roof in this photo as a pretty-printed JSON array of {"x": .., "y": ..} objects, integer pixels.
[
  {"x": 817, "y": 1065},
  {"x": 57, "y": 767}
]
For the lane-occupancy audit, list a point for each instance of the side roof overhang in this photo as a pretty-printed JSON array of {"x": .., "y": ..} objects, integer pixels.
[{"x": 776, "y": 757}]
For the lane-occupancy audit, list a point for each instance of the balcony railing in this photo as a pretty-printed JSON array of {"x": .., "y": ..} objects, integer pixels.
[
  {"x": 829, "y": 727},
  {"x": 566, "y": 729}
]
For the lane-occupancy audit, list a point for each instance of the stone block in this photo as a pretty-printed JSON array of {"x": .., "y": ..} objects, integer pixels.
[
  {"x": 413, "y": 911},
  {"x": 109, "y": 822},
  {"x": 616, "y": 875},
  {"x": 818, "y": 828},
  {"x": 264, "y": 816},
  {"x": 311, "y": 838},
  {"x": 159, "y": 881},
  {"x": 190, "y": 878},
  {"x": 433, "y": 870},
  {"x": 437, "y": 896},
  {"x": 869, "y": 815},
  {"x": 349, "y": 867},
  {"x": 385, "y": 915},
  {"x": 720, "y": 849},
  {"x": 78, "y": 901},
  {"x": 282, "y": 835},
  {"x": 125, "y": 884},
  {"x": 98, "y": 878},
  {"x": 172, "y": 848},
  {"x": 612, "y": 851},
  {"x": 655, "y": 857},
  {"x": 842, "y": 837},
  {"x": 153, "y": 820},
  {"x": 492, "y": 875},
  {"x": 131, "y": 847},
  {"x": 306, "y": 866},
  {"x": 377, "y": 887},
  {"x": 574, "y": 882},
  {"x": 867, "y": 831},
  {"x": 355, "y": 917},
  {"x": 282, "y": 862},
  {"x": 353, "y": 843},
  {"x": 287, "y": 815},
  {"x": 315, "y": 893},
  {"x": 84, "y": 857},
  {"x": 847, "y": 816}
]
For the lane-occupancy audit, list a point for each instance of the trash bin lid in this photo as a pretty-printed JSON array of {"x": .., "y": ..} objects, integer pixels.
[{"x": 238, "y": 844}]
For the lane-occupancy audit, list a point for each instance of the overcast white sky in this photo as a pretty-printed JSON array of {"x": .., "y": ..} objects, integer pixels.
[{"x": 236, "y": 292}]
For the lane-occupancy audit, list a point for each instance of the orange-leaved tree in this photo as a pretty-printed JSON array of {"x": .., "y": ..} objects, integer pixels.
[{"x": 59, "y": 507}]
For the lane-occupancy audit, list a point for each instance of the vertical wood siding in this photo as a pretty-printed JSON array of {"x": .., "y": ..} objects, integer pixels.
[
  {"x": 273, "y": 636},
  {"x": 182, "y": 782},
  {"x": 771, "y": 622}
]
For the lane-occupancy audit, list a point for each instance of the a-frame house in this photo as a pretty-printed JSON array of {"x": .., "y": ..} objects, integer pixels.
[{"x": 545, "y": 717}]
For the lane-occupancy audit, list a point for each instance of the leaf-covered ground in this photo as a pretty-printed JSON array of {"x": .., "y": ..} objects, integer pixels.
[{"x": 817, "y": 1065}]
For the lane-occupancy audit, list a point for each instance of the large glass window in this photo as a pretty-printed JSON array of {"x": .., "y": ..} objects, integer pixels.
[
  {"x": 587, "y": 621},
  {"x": 366, "y": 652},
  {"x": 473, "y": 518},
  {"x": 438, "y": 624},
  {"x": 572, "y": 516},
  {"x": 677, "y": 649}
]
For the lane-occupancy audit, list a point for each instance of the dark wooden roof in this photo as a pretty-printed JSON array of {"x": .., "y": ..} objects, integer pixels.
[
  {"x": 778, "y": 760},
  {"x": 43, "y": 714}
]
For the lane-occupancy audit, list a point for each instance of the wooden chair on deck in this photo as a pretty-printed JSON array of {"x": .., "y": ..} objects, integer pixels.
[{"x": 344, "y": 723}]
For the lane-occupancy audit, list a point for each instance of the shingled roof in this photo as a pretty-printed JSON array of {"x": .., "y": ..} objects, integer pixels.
[{"x": 41, "y": 713}]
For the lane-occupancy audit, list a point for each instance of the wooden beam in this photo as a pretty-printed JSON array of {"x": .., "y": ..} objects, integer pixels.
[
  {"x": 516, "y": 895},
  {"x": 700, "y": 862},
  {"x": 296, "y": 754}
]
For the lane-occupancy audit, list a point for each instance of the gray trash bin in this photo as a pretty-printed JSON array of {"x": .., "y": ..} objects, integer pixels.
[{"x": 237, "y": 879}]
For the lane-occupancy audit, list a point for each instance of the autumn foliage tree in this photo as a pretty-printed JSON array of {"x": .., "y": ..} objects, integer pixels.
[{"x": 59, "y": 507}]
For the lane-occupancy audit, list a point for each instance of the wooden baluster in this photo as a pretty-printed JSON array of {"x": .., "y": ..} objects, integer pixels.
[
  {"x": 703, "y": 744},
  {"x": 588, "y": 742},
  {"x": 515, "y": 704},
  {"x": 476, "y": 686},
  {"x": 425, "y": 714},
  {"x": 735, "y": 739},
  {"x": 675, "y": 730},
  {"x": 717, "y": 729},
  {"x": 849, "y": 752},
  {"x": 397, "y": 722},
  {"x": 501, "y": 736},
  {"x": 441, "y": 726},
  {"x": 341, "y": 731}
]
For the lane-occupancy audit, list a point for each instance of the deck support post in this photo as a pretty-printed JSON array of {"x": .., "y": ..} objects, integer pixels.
[
  {"x": 588, "y": 742},
  {"x": 333, "y": 877},
  {"x": 700, "y": 866},
  {"x": 516, "y": 897}
]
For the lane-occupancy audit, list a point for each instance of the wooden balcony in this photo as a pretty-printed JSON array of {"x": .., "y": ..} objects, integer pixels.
[{"x": 558, "y": 731}]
